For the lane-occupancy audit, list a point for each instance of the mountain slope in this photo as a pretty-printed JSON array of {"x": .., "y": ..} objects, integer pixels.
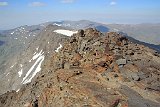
[
  {"x": 92, "y": 69},
  {"x": 20, "y": 69},
  {"x": 15, "y": 41}
]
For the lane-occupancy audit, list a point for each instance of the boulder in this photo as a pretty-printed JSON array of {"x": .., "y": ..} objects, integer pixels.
[
  {"x": 134, "y": 76},
  {"x": 121, "y": 61},
  {"x": 97, "y": 43},
  {"x": 66, "y": 65},
  {"x": 81, "y": 33}
]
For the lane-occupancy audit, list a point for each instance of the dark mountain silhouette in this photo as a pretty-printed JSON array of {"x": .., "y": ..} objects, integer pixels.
[
  {"x": 102, "y": 28},
  {"x": 2, "y": 42},
  {"x": 152, "y": 46}
]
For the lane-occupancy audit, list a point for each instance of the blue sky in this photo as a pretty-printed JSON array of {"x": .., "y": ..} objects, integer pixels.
[{"x": 15, "y": 13}]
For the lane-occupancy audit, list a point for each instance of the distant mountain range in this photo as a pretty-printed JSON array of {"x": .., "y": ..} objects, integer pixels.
[{"x": 147, "y": 33}]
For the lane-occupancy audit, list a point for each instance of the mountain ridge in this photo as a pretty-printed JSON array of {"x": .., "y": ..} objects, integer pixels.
[
  {"x": 92, "y": 69},
  {"x": 26, "y": 41},
  {"x": 137, "y": 31}
]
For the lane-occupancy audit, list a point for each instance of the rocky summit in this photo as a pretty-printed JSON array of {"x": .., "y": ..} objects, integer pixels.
[{"x": 93, "y": 69}]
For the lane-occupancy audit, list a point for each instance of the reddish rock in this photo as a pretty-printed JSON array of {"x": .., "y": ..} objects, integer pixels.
[
  {"x": 77, "y": 57},
  {"x": 99, "y": 69},
  {"x": 115, "y": 68}
]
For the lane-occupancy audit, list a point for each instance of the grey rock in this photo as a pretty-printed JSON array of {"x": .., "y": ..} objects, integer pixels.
[
  {"x": 154, "y": 86},
  {"x": 130, "y": 74},
  {"x": 97, "y": 43},
  {"x": 83, "y": 44},
  {"x": 121, "y": 61},
  {"x": 81, "y": 32},
  {"x": 135, "y": 99},
  {"x": 66, "y": 65},
  {"x": 135, "y": 76}
]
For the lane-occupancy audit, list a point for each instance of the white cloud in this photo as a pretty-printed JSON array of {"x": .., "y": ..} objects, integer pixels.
[
  {"x": 37, "y": 4},
  {"x": 67, "y": 1},
  {"x": 113, "y": 3},
  {"x": 3, "y": 3}
]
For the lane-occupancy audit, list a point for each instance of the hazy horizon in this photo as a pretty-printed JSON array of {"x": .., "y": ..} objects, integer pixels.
[
  {"x": 32, "y": 12},
  {"x": 105, "y": 23}
]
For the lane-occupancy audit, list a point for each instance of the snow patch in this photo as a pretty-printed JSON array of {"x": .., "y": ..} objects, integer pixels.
[
  {"x": 17, "y": 90},
  {"x": 37, "y": 55},
  {"x": 32, "y": 57},
  {"x": 12, "y": 33},
  {"x": 8, "y": 73},
  {"x": 37, "y": 48},
  {"x": 12, "y": 66},
  {"x": 65, "y": 32},
  {"x": 21, "y": 65},
  {"x": 116, "y": 30},
  {"x": 34, "y": 53},
  {"x": 20, "y": 72},
  {"x": 60, "y": 46},
  {"x": 37, "y": 64},
  {"x": 31, "y": 74},
  {"x": 42, "y": 25},
  {"x": 57, "y": 24}
]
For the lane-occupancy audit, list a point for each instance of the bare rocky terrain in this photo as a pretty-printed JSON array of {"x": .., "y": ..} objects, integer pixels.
[
  {"x": 90, "y": 69},
  {"x": 24, "y": 58}
]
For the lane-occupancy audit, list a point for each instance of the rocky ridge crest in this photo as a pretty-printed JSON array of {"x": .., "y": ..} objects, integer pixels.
[{"x": 93, "y": 70}]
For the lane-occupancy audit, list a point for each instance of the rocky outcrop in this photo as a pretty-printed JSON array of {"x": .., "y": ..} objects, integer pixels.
[{"x": 93, "y": 70}]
